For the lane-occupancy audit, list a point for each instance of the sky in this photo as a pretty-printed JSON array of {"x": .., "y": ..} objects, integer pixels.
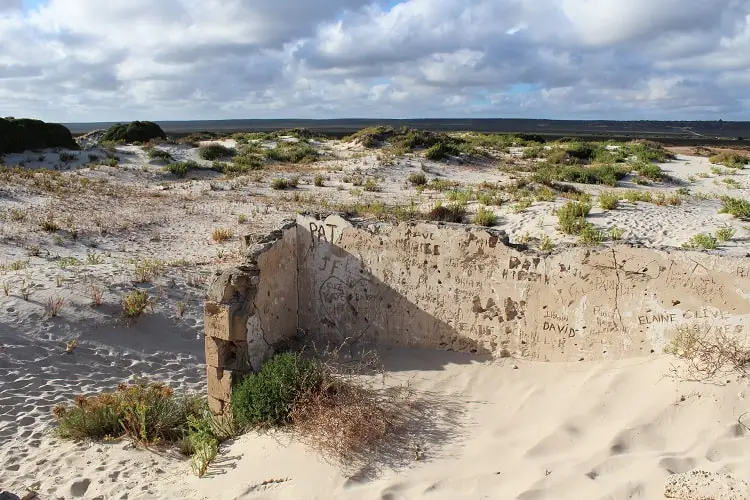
[{"x": 119, "y": 60}]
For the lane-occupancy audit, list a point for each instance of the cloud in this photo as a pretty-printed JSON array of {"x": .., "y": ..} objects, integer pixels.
[{"x": 86, "y": 60}]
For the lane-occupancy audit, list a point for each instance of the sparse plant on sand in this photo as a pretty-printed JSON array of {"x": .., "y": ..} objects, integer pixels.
[
  {"x": 67, "y": 157},
  {"x": 546, "y": 244},
  {"x": 371, "y": 185},
  {"x": 159, "y": 154},
  {"x": 417, "y": 179},
  {"x": 94, "y": 258},
  {"x": 147, "y": 270},
  {"x": 523, "y": 205},
  {"x": 221, "y": 235},
  {"x": 615, "y": 233},
  {"x": 241, "y": 219},
  {"x": 54, "y": 305},
  {"x": 26, "y": 287},
  {"x": 703, "y": 241},
  {"x": 738, "y": 207},
  {"x": 48, "y": 224},
  {"x": 732, "y": 183},
  {"x": 725, "y": 234},
  {"x": 731, "y": 160},
  {"x": 572, "y": 217},
  {"x": 708, "y": 352},
  {"x": 134, "y": 303},
  {"x": 280, "y": 184},
  {"x": 318, "y": 182},
  {"x": 589, "y": 235},
  {"x": 485, "y": 217},
  {"x": 608, "y": 200},
  {"x": 181, "y": 309},
  {"x": 6, "y": 288},
  {"x": 96, "y": 295}
]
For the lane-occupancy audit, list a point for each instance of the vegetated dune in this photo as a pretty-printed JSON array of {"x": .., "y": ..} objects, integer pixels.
[
  {"x": 20, "y": 134},
  {"x": 161, "y": 219}
]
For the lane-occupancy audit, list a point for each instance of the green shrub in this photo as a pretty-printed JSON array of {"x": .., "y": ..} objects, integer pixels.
[
  {"x": 280, "y": 184},
  {"x": 608, "y": 200},
  {"x": 725, "y": 234},
  {"x": 735, "y": 206},
  {"x": 21, "y": 134},
  {"x": 485, "y": 217},
  {"x": 214, "y": 151},
  {"x": 649, "y": 170},
  {"x": 137, "y": 131},
  {"x": 601, "y": 174},
  {"x": 589, "y": 235},
  {"x": 267, "y": 398},
  {"x": 417, "y": 179},
  {"x": 292, "y": 152},
  {"x": 701, "y": 240},
  {"x": 159, "y": 154},
  {"x": 571, "y": 217},
  {"x": 371, "y": 185},
  {"x": 134, "y": 303},
  {"x": 731, "y": 160},
  {"x": 180, "y": 169},
  {"x": 441, "y": 151},
  {"x": 318, "y": 181}
]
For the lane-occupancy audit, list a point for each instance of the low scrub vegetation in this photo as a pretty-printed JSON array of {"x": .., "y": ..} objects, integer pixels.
[
  {"x": 417, "y": 179},
  {"x": 596, "y": 174},
  {"x": 731, "y": 160},
  {"x": 221, "y": 235},
  {"x": 150, "y": 414},
  {"x": 134, "y": 303},
  {"x": 725, "y": 234},
  {"x": 572, "y": 217},
  {"x": 708, "y": 353},
  {"x": 330, "y": 411},
  {"x": 453, "y": 212},
  {"x": 485, "y": 217},
  {"x": 215, "y": 151},
  {"x": 181, "y": 169},
  {"x": 608, "y": 200},
  {"x": 159, "y": 154},
  {"x": 738, "y": 207},
  {"x": 292, "y": 152},
  {"x": 704, "y": 241}
]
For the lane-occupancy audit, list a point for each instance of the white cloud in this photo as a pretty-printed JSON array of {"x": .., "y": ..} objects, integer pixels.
[{"x": 87, "y": 60}]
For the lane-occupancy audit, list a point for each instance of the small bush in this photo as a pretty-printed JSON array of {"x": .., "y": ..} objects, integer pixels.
[
  {"x": 180, "y": 169},
  {"x": 454, "y": 212},
  {"x": 417, "y": 179},
  {"x": 266, "y": 398},
  {"x": 159, "y": 154},
  {"x": 214, "y": 151},
  {"x": 616, "y": 233},
  {"x": 608, "y": 200},
  {"x": 280, "y": 184},
  {"x": 735, "y": 206},
  {"x": 134, "y": 303},
  {"x": 292, "y": 152},
  {"x": 485, "y": 217},
  {"x": 440, "y": 151},
  {"x": 147, "y": 270},
  {"x": 725, "y": 234},
  {"x": 318, "y": 181},
  {"x": 731, "y": 160},
  {"x": 147, "y": 413},
  {"x": 650, "y": 171},
  {"x": 704, "y": 241},
  {"x": 589, "y": 235},
  {"x": 371, "y": 185},
  {"x": 67, "y": 157},
  {"x": 546, "y": 244},
  {"x": 571, "y": 217},
  {"x": 221, "y": 235}
]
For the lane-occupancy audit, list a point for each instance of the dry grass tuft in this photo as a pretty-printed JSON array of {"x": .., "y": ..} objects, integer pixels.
[
  {"x": 221, "y": 235},
  {"x": 708, "y": 353}
]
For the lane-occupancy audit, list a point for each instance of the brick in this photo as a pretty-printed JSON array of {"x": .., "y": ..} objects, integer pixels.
[
  {"x": 219, "y": 383},
  {"x": 227, "y": 355},
  {"x": 217, "y": 406},
  {"x": 225, "y": 322}
]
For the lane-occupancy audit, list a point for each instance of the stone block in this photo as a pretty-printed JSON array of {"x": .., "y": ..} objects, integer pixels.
[
  {"x": 228, "y": 355},
  {"x": 217, "y": 406},
  {"x": 220, "y": 382},
  {"x": 225, "y": 322}
]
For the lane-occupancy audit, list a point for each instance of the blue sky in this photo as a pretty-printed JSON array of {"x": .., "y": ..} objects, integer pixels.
[{"x": 95, "y": 60}]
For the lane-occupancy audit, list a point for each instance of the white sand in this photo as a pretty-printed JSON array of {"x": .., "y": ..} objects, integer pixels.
[{"x": 605, "y": 430}]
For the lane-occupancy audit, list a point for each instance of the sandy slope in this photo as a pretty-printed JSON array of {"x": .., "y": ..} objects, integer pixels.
[{"x": 611, "y": 430}]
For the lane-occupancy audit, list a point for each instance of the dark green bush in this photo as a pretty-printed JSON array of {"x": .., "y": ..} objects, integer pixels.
[
  {"x": 649, "y": 170},
  {"x": 137, "y": 131},
  {"x": 598, "y": 174},
  {"x": 212, "y": 152},
  {"x": 267, "y": 398},
  {"x": 159, "y": 154},
  {"x": 454, "y": 212},
  {"x": 21, "y": 134},
  {"x": 440, "y": 151}
]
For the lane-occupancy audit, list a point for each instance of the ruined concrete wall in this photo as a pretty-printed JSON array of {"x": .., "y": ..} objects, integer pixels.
[
  {"x": 462, "y": 288},
  {"x": 248, "y": 311}
]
